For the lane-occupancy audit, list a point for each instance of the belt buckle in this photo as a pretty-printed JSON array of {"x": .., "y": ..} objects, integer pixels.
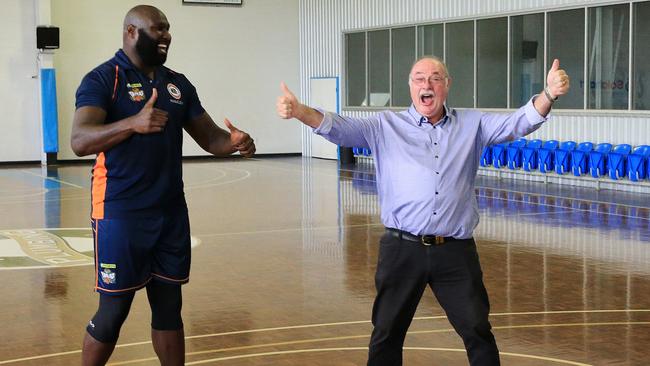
[{"x": 430, "y": 240}]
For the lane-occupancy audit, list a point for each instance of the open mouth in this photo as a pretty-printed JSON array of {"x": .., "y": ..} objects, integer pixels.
[
  {"x": 426, "y": 98},
  {"x": 162, "y": 48}
]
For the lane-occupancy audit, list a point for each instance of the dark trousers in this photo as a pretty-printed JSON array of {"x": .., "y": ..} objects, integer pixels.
[{"x": 453, "y": 272}]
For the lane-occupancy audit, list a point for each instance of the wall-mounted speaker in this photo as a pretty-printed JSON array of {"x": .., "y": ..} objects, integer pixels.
[{"x": 47, "y": 38}]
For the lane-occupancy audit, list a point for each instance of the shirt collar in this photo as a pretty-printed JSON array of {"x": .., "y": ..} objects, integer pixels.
[
  {"x": 420, "y": 119},
  {"x": 123, "y": 60}
]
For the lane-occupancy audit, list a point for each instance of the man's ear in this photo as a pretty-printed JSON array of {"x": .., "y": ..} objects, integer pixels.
[{"x": 132, "y": 31}]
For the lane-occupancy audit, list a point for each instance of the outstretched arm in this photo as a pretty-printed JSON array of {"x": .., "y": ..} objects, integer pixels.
[
  {"x": 497, "y": 128},
  {"x": 218, "y": 141}
]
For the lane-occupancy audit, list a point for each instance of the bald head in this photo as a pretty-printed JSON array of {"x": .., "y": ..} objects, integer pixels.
[
  {"x": 141, "y": 15},
  {"x": 431, "y": 59}
]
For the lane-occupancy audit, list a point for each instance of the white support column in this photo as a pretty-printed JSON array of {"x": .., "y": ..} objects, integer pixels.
[{"x": 47, "y": 87}]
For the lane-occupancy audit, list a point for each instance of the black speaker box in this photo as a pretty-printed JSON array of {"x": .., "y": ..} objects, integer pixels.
[{"x": 47, "y": 38}]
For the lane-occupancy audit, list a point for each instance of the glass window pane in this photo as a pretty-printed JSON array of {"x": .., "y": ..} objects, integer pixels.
[
  {"x": 403, "y": 53},
  {"x": 430, "y": 41},
  {"x": 379, "y": 68},
  {"x": 566, "y": 42},
  {"x": 641, "y": 56},
  {"x": 527, "y": 63},
  {"x": 608, "y": 57},
  {"x": 492, "y": 63},
  {"x": 460, "y": 63},
  {"x": 355, "y": 78}
]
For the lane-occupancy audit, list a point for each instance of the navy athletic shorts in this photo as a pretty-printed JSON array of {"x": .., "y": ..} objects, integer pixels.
[{"x": 131, "y": 252}]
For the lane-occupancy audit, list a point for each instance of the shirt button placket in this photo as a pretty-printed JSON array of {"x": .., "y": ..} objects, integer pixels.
[{"x": 436, "y": 169}]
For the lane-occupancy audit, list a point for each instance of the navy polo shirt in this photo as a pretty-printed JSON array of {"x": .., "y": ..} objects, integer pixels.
[{"x": 142, "y": 175}]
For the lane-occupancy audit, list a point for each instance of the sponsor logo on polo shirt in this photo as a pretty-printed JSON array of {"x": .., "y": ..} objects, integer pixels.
[
  {"x": 174, "y": 91},
  {"x": 135, "y": 93}
]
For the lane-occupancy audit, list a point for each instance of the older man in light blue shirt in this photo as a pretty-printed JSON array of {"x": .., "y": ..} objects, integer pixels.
[{"x": 426, "y": 159}]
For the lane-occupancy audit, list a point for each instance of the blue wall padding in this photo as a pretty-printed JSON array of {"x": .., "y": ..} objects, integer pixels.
[{"x": 49, "y": 111}]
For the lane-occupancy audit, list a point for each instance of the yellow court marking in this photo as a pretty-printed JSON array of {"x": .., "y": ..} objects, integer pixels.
[
  {"x": 316, "y": 340},
  {"x": 246, "y": 175},
  {"x": 305, "y": 326},
  {"x": 314, "y": 350}
]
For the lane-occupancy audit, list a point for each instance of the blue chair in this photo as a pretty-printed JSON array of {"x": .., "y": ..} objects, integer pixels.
[
  {"x": 617, "y": 161},
  {"x": 486, "y": 156},
  {"x": 529, "y": 154},
  {"x": 367, "y": 152},
  {"x": 598, "y": 159},
  {"x": 637, "y": 163},
  {"x": 513, "y": 153},
  {"x": 356, "y": 151},
  {"x": 546, "y": 156},
  {"x": 580, "y": 158},
  {"x": 499, "y": 155},
  {"x": 563, "y": 157}
]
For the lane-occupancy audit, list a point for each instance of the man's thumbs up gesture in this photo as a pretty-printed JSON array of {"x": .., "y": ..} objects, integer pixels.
[
  {"x": 287, "y": 104},
  {"x": 289, "y": 107},
  {"x": 557, "y": 81},
  {"x": 150, "y": 119},
  {"x": 240, "y": 140}
]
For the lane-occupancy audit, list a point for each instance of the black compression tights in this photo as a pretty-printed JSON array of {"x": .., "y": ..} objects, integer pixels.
[
  {"x": 165, "y": 301},
  {"x": 113, "y": 309}
]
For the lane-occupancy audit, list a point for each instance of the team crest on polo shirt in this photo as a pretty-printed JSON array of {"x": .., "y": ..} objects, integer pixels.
[
  {"x": 174, "y": 91},
  {"x": 135, "y": 92},
  {"x": 108, "y": 273}
]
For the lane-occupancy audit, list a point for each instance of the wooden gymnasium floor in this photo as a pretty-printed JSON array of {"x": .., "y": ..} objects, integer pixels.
[{"x": 283, "y": 265}]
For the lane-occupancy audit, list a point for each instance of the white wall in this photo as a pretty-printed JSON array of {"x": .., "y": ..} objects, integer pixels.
[
  {"x": 235, "y": 56},
  {"x": 20, "y": 139}
]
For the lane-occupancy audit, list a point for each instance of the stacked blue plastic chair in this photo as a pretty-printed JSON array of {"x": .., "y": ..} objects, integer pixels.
[
  {"x": 486, "y": 156},
  {"x": 617, "y": 161},
  {"x": 598, "y": 159},
  {"x": 529, "y": 154},
  {"x": 637, "y": 163},
  {"x": 563, "y": 157},
  {"x": 546, "y": 156},
  {"x": 580, "y": 158},
  {"x": 499, "y": 155},
  {"x": 513, "y": 153},
  {"x": 366, "y": 152}
]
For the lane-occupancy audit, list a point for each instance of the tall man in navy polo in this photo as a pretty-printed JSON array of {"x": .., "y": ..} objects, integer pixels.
[
  {"x": 426, "y": 159},
  {"x": 131, "y": 112}
]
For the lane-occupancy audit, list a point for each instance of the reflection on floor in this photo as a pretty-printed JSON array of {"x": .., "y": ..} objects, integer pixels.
[{"x": 283, "y": 269}]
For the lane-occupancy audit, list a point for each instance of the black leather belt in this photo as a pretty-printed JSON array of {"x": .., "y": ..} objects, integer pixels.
[{"x": 423, "y": 239}]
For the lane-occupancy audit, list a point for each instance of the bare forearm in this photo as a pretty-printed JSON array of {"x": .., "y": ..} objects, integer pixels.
[
  {"x": 309, "y": 116},
  {"x": 219, "y": 144},
  {"x": 93, "y": 139}
]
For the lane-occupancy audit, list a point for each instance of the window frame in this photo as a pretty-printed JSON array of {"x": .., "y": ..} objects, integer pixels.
[{"x": 582, "y": 111}]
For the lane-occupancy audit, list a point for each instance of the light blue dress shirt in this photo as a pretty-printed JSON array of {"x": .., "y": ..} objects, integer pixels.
[{"x": 425, "y": 173}]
